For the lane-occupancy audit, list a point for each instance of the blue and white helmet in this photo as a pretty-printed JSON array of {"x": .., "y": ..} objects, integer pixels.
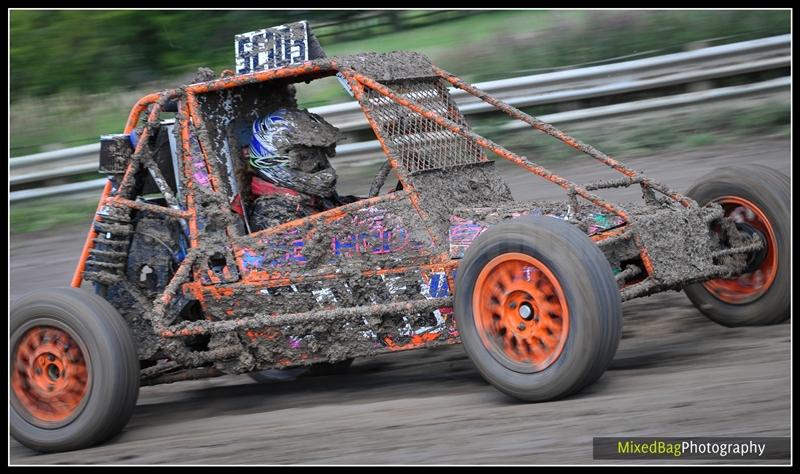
[
  {"x": 269, "y": 135},
  {"x": 284, "y": 140}
]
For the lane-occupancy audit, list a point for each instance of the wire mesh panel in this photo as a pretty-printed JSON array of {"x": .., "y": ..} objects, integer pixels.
[{"x": 416, "y": 142}]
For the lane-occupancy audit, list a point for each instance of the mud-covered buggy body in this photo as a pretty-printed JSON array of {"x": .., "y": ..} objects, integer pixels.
[{"x": 532, "y": 288}]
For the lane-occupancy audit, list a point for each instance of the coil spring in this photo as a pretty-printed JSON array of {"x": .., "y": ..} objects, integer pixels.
[{"x": 109, "y": 257}]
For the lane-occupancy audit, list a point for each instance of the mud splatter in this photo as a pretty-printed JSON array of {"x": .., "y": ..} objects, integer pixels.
[
  {"x": 391, "y": 66},
  {"x": 203, "y": 74}
]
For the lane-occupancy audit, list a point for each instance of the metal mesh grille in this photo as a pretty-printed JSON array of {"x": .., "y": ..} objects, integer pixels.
[{"x": 416, "y": 142}]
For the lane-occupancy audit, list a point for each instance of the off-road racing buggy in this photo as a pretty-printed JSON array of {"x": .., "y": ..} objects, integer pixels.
[{"x": 532, "y": 289}]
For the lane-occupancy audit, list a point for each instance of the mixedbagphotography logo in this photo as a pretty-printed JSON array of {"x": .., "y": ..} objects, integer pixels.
[{"x": 691, "y": 448}]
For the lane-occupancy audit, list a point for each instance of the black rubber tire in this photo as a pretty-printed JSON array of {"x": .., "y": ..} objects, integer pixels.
[
  {"x": 330, "y": 368},
  {"x": 592, "y": 295},
  {"x": 770, "y": 191},
  {"x": 113, "y": 367}
]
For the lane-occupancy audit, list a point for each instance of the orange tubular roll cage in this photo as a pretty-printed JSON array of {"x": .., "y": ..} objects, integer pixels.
[{"x": 328, "y": 67}]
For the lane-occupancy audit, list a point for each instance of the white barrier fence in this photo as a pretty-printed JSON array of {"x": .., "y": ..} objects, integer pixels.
[{"x": 551, "y": 88}]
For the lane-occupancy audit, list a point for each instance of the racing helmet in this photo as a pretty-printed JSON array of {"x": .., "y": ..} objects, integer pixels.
[{"x": 290, "y": 148}]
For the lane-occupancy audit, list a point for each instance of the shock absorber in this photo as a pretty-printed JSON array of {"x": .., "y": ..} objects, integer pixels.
[{"x": 108, "y": 258}]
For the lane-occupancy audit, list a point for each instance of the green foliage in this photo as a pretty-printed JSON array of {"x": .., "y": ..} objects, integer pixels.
[{"x": 92, "y": 51}]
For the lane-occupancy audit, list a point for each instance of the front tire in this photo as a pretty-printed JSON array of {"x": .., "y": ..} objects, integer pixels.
[
  {"x": 537, "y": 308},
  {"x": 74, "y": 370}
]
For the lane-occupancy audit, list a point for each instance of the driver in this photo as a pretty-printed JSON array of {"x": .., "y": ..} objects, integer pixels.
[{"x": 293, "y": 178}]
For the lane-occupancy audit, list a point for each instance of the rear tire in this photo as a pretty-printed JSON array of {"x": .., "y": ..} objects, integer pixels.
[
  {"x": 74, "y": 370},
  {"x": 548, "y": 271},
  {"x": 760, "y": 198}
]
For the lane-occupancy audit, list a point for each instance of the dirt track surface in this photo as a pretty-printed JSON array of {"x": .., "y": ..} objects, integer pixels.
[{"x": 675, "y": 374}]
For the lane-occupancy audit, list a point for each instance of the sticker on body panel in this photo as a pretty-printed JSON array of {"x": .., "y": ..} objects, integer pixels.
[
  {"x": 375, "y": 232},
  {"x": 395, "y": 331},
  {"x": 369, "y": 232},
  {"x": 417, "y": 329}
]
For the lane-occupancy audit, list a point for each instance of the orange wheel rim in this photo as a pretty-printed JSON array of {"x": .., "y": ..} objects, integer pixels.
[
  {"x": 521, "y": 312},
  {"x": 49, "y": 375},
  {"x": 750, "y": 286}
]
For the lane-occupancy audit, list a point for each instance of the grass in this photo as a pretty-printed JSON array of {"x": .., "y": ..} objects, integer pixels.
[
  {"x": 66, "y": 121},
  {"x": 675, "y": 132},
  {"x": 435, "y": 40},
  {"x": 699, "y": 140},
  {"x": 50, "y": 214}
]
